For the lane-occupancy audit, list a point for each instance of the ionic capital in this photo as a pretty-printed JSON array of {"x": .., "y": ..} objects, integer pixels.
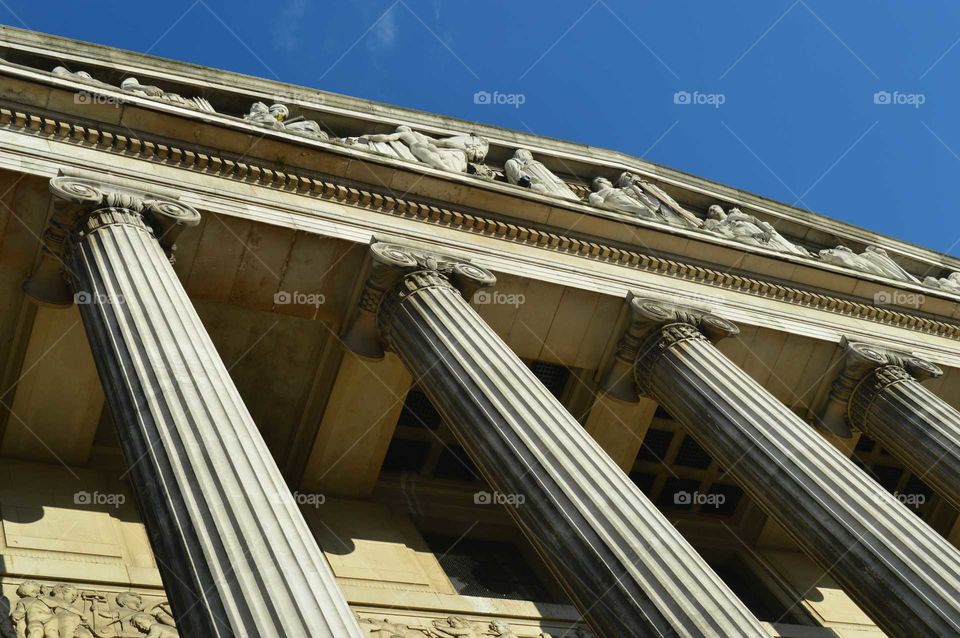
[
  {"x": 866, "y": 370},
  {"x": 80, "y": 207},
  {"x": 396, "y": 273},
  {"x": 654, "y": 327}
]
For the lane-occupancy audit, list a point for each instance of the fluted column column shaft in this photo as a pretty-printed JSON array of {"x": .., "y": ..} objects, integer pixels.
[
  {"x": 236, "y": 555},
  {"x": 626, "y": 568},
  {"x": 899, "y": 570},
  {"x": 914, "y": 424}
]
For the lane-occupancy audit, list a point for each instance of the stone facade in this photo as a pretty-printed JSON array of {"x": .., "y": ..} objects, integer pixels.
[{"x": 283, "y": 363}]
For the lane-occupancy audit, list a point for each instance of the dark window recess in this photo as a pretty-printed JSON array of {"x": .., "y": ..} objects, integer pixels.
[
  {"x": 405, "y": 455},
  {"x": 916, "y": 487},
  {"x": 553, "y": 376},
  {"x": 678, "y": 493},
  {"x": 454, "y": 464},
  {"x": 726, "y": 506},
  {"x": 418, "y": 412},
  {"x": 644, "y": 481},
  {"x": 488, "y": 569},
  {"x": 887, "y": 476},
  {"x": 661, "y": 413},
  {"x": 655, "y": 445},
  {"x": 754, "y": 593},
  {"x": 692, "y": 455},
  {"x": 865, "y": 444}
]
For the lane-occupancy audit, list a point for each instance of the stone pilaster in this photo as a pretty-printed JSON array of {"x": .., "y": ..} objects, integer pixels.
[
  {"x": 878, "y": 392},
  {"x": 235, "y": 554},
  {"x": 899, "y": 570},
  {"x": 625, "y": 567}
]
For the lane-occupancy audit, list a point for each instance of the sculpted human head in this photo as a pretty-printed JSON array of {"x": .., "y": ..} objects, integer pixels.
[
  {"x": 130, "y": 600},
  {"x": 28, "y": 589},
  {"x": 601, "y": 183},
  {"x": 523, "y": 154},
  {"x": 67, "y": 593},
  {"x": 716, "y": 212},
  {"x": 280, "y": 111},
  {"x": 142, "y": 621}
]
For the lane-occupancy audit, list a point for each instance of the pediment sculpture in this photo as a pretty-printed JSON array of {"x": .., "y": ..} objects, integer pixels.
[
  {"x": 873, "y": 260},
  {"x": 747, "y": 229},
  {"x": 637, "y": 197},
  {"x": 132, "y": 85},
  {"x": 455, "y": 154},
  {"x": 64, "y": 611},
  {"x": 277, "y": 117},
  {"x": 525, "y": 171},
  {"x": 950, "y": 283}
]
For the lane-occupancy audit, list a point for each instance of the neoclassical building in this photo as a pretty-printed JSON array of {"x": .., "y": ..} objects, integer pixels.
[{"x": 277, "y": 362}]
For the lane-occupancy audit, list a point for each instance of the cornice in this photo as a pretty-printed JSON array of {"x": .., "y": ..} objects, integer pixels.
[
  {"x": 325, "y": 188},
  {"x": 587, "y": 160}
]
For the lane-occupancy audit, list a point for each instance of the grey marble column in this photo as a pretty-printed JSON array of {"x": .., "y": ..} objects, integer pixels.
[
  {"x": 625, "y": 567},
  {"x": 899, "y": 570},
  {"x": 878, "y": 392},
  {"x": 235, "y": 554}
]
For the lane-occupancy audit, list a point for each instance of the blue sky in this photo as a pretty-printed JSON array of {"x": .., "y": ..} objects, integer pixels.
[{"x": 782, "y": 93}]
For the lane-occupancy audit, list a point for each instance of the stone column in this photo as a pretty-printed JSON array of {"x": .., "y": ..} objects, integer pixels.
[
  {"x": 624, "y": 566},
  {"x": 236, "y": 557},
  {"x": 899, "y": 570},
  {"x": 878, "y": 392}
]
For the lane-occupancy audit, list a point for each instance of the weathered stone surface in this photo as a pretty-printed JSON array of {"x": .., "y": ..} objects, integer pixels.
[
  {"x": 899, "y": 570},
  {"x": 625, "y": 567},
  {"x": 878, "y": 392},
  {"x": 235, "y": 553}
]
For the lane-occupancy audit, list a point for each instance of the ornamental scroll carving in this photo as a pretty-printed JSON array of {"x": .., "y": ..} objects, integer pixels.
[
  {"x": 401, "y": 271},
  {"x": 449, "y": 627},
  {"x": 75, "y": 201},
  {"x": 43, "y": 610},
  {"x": 655, "y": 326},
  {"x": 867, "y": 370}
]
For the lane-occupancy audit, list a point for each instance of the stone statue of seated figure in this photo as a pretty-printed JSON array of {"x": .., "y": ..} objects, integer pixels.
[
  {"x": 276, "y": 117},
  {"x": 523, "y": 170},
  {"x": 747, "y": 229},
  {"x": 452, "y": 154}
]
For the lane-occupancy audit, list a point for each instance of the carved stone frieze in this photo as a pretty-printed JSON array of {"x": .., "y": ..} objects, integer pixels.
[
  {"x": 393, "y": 264},
  {"x": 277, "y": 117},
  {"x": 450, "y": 627},
  {"x": 246, "y": 171},
  {"x": 873, "y": 260},
  {"x": 65, "y": 611},
  {"x": 637, "y": 197},
  {"x": 523, "y": 170},
  {"x": 867, "y": 369},
  {"x": 747, "y": 229},
  {"x": 132, "y": 85},
  {"x": 950, "y": 283},
  {"x": 454, "y": 154}
]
